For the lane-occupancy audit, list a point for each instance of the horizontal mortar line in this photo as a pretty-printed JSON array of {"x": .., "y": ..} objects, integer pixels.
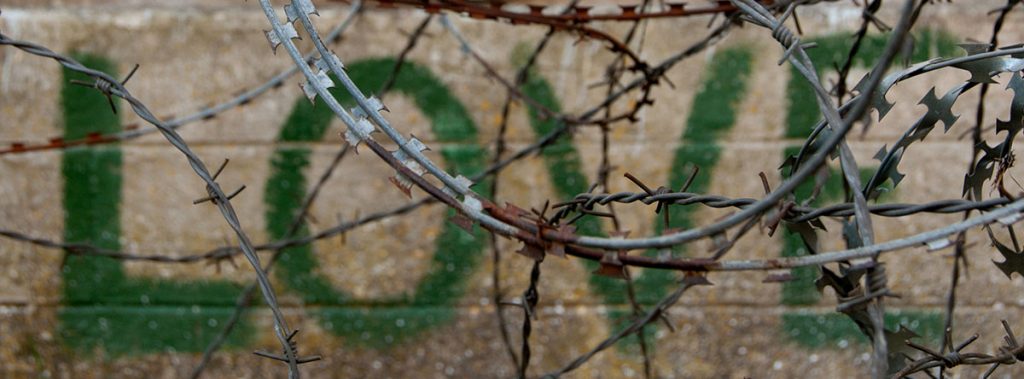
[
  {"x": 544, "y": 307},
  {"x": 577, "y": 142}
]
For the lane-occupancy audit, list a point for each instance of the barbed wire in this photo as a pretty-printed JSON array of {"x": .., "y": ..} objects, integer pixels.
[
  {"x": 507, "y": 229},
  {"x": 245, "y": 298},
  {"x": 542, "y": 235},
  {"x": 795, "y": 213},
  {"x": 109, "y": 86},
  {"x": 411, "y": 163},
  {"x": 566, "y": 14}
]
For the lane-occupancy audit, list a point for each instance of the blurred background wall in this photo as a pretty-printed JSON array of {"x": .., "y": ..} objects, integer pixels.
[{"x": 411, "y": 295}]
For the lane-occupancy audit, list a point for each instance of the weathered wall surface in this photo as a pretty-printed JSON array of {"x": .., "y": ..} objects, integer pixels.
[{"x": 411, "y": 296}]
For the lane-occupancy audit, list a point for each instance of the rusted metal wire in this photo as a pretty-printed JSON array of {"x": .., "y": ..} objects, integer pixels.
[
  {"x": 1010, "y": 353},
  {"x": 134, "y": 130},
  {"x": 571, "y": 14},
  {"x": 472, "y": 205},
  {"x": 542, "y": 235},
  {"x": 1003, "y": 53},
  {"x": 586, "y": 241}
]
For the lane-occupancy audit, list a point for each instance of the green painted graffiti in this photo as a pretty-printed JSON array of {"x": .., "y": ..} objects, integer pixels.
[
  {"x": 808, "y": 329},
  {"x": 830, "y": 330},
  {"x": 457, "y": 252},
  {"x": 148, "y": 303},
  {"x": 103, "y": 306},
  {"x": 718, "y": 98},
  {"x": 106, "y": 307}
]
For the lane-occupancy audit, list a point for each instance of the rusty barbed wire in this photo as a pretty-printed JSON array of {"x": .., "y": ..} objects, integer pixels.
[
  {"x": 571, "y": 14},
  {"x": 542, "y": 235},
  {"x": 1010, "y": 353},
  {"x": 410, "y": 165},
  {"x": 622, "y": 54},
  {"x": 411, "y": 161},
  {"x": 876, "y": 281},
  {"x": 795, "y": 214}
]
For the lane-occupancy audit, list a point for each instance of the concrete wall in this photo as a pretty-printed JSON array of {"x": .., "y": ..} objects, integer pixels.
[{"x": 411, "y": 296}]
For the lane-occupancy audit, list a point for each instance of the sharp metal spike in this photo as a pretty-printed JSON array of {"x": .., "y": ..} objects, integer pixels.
[
  {"x": 299, "y": 7},
  {"x": 940, "y": 109},
  {"x": 325, "y": 63},
  {"x": 982, "y": 70},
  {"x": 275, "y": 40},
  {"x": 880, "y": 155},
  {"x": 310, "y": 90},
  {"x": 362, "y": 130}
]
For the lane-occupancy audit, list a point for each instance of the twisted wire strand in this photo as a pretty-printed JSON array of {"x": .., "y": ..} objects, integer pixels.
[
  {"x": 571, "y": 14},
  {"x": 587, "y": 201},
  {"x": 1010, "y": 353},
  {"x": 799, "y": 59},
  {"x": 796, "y": 214}
]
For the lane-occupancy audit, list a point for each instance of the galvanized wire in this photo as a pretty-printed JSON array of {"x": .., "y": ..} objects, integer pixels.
[{"x": 455, "y": 192}]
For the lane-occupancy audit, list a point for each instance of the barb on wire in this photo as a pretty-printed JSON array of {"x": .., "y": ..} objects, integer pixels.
[
  {"x": 212, "y": 197},
  {"x": 245, "y": 298},
  {"x": 802, "y": 173},
  {"x": 1010, "y": 353},
  {"x": 104, "y": 87},
  {"x": 462, "y": 190},
  {"x": 860, "y": 283}
]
